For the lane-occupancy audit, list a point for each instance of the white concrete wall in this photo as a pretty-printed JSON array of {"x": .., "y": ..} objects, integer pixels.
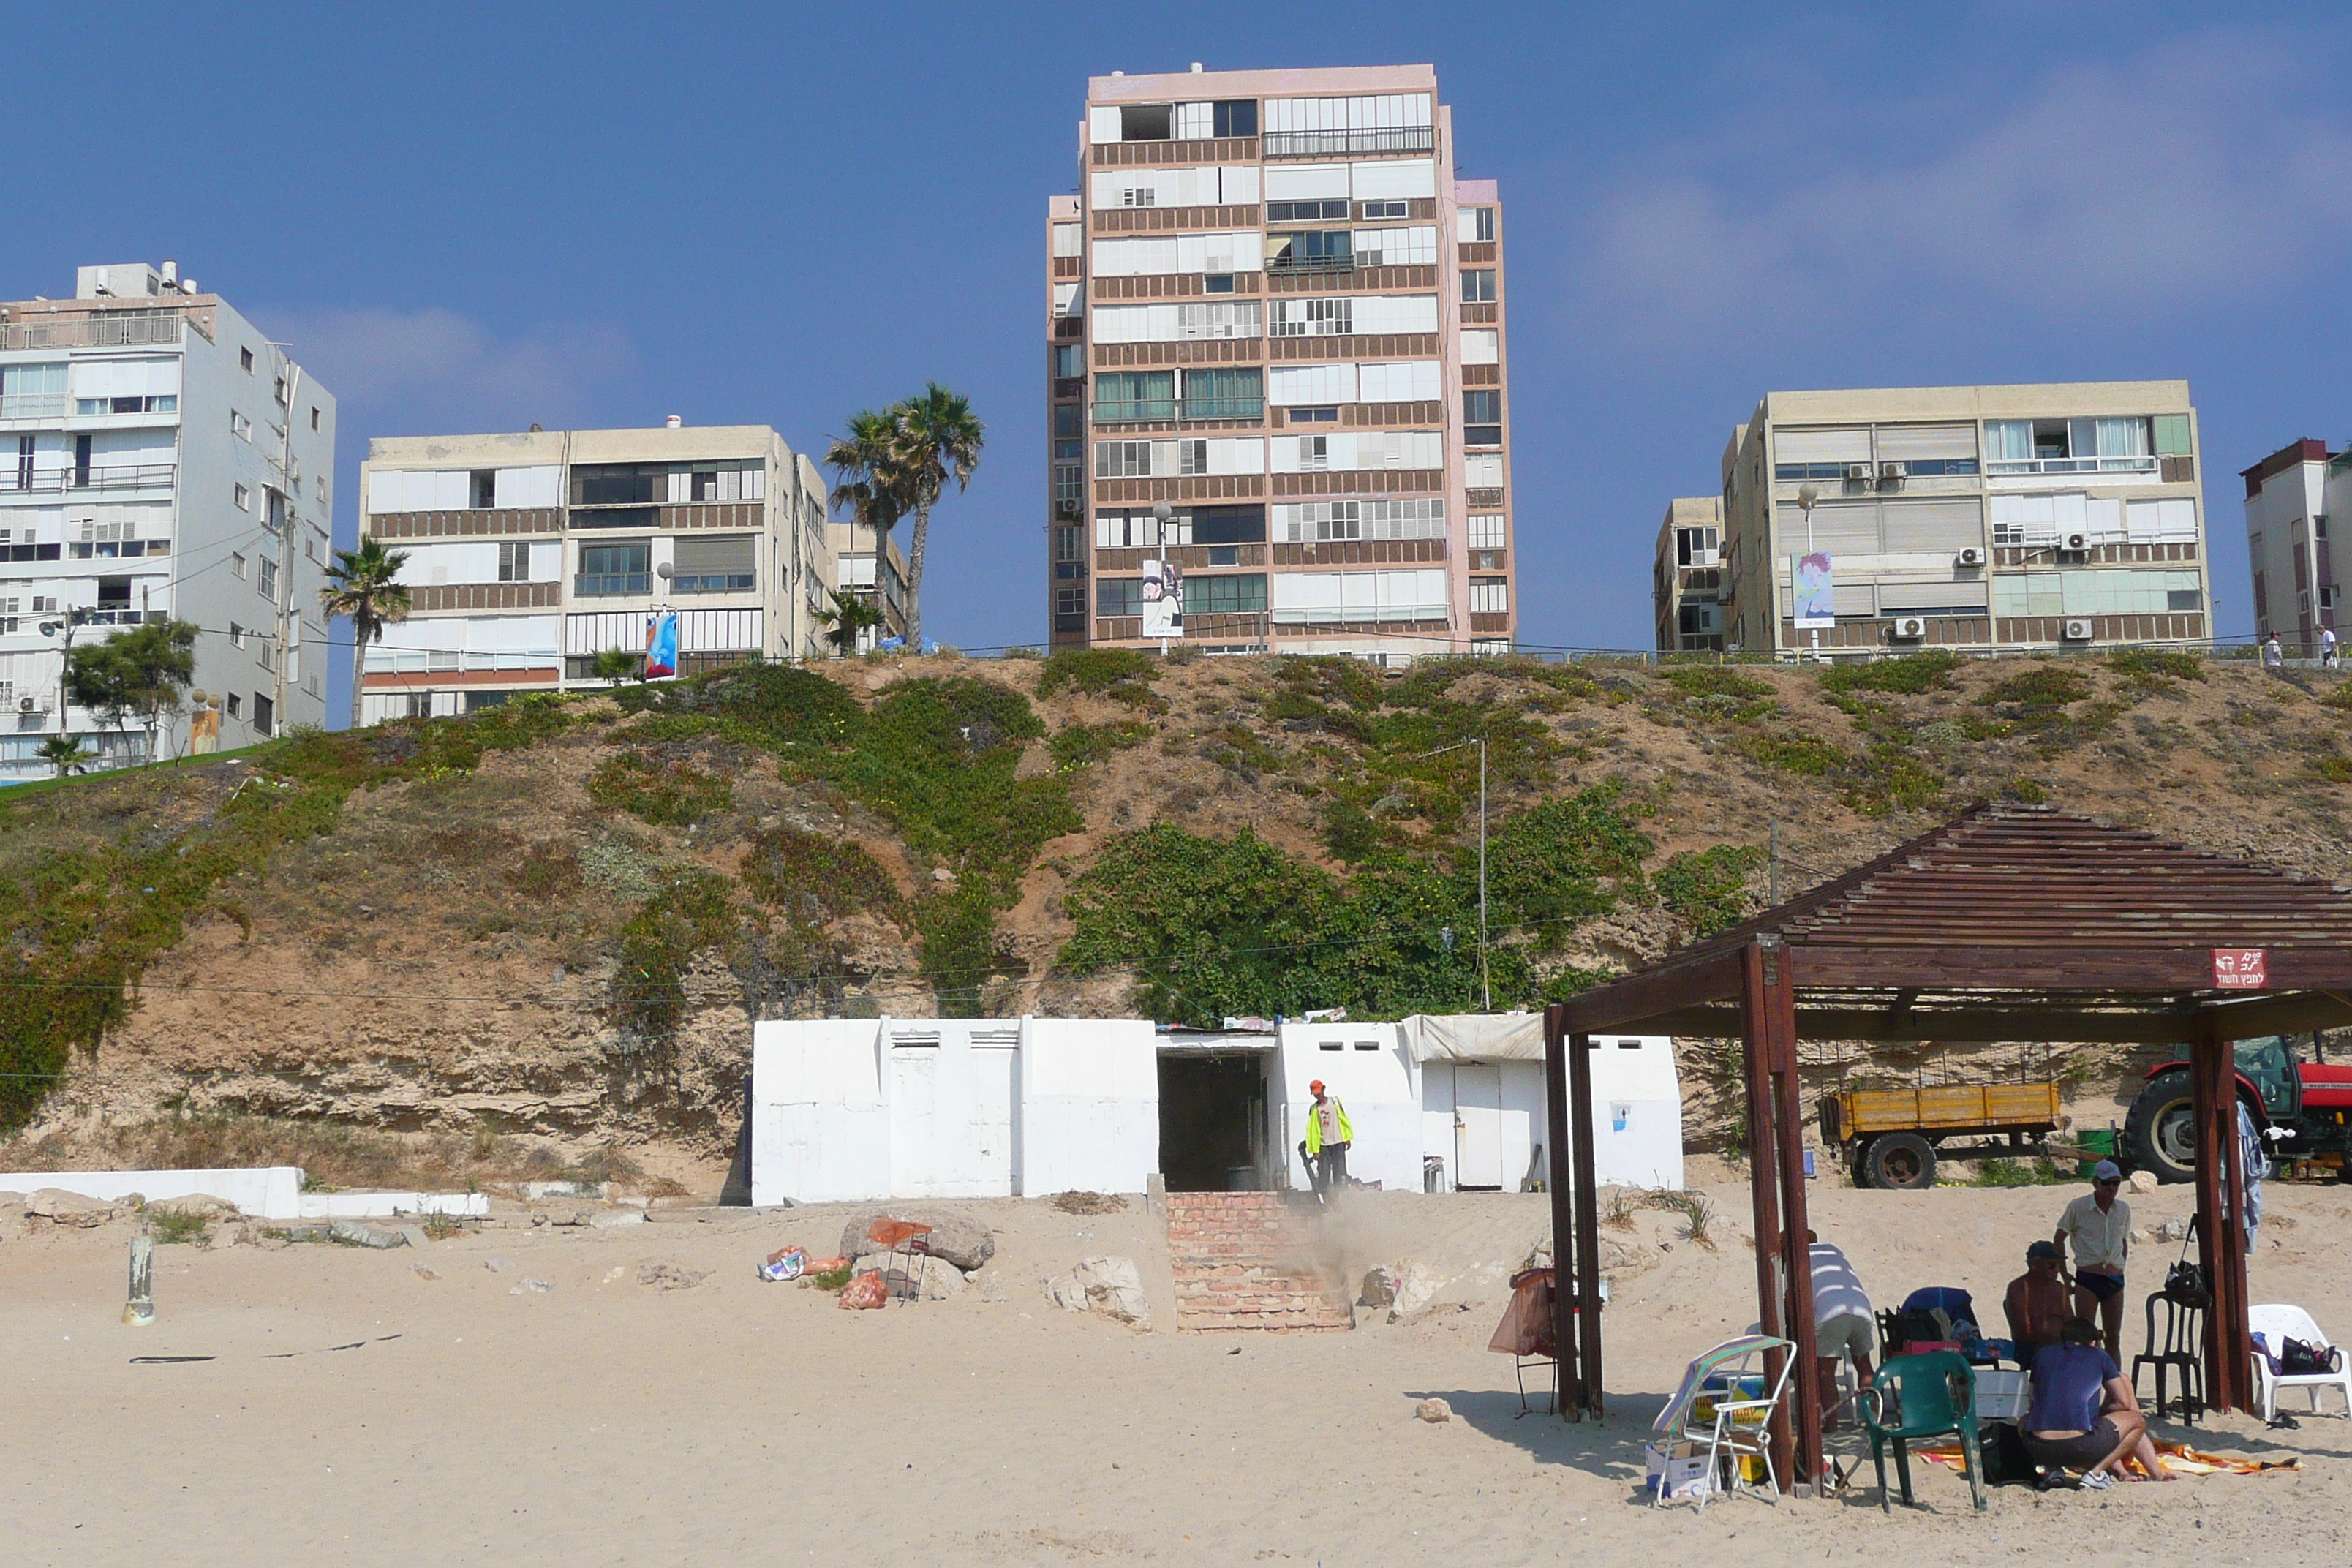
[
  {"x": 820, "y": 1130},
  {"x": 265, "y": 1192},
  {"x": 1634, "y": 1081},
  {"x": 1381, "y": 1088},
  {"x": 1089, "y": 1104}
]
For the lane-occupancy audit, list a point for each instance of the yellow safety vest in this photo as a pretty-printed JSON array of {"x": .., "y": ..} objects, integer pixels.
[{"x": 1315, "y": 1115}]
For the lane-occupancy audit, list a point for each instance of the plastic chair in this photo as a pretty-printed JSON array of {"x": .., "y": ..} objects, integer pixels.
[
  {"x": 2178, "y": 1347},
  {"x": 1738, "y": 1428},
  {"x": 1926, "y": 1396},
  {"x": 2277, "y": 1323}
]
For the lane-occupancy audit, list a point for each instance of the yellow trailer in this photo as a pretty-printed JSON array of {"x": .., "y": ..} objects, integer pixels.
[{"x": 1892, "y": 1137}]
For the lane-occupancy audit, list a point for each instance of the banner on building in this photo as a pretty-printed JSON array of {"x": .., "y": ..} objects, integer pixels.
[
  {"x": 1816, "y": 602},
  {"x": 661, "y": 646},
  {"x": 1164, "y": 600}
]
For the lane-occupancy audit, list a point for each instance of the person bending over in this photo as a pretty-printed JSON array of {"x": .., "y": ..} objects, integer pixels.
[{"x": 2084, "y": 1415}]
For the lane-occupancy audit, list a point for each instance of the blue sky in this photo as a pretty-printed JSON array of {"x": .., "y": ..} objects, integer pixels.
[{"x": 475, "y": 217}]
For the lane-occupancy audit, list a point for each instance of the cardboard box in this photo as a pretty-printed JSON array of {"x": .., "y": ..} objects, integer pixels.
[
  {"x": 2002, "y": 1396},
  {"x": 1680, "y": 1468}
]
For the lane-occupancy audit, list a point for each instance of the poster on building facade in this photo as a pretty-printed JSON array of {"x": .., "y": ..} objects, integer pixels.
[
  {"x": 1164, "y": 600},
  {"x": 661, "y": 646},
  {"x": 1816, "y": 603}
]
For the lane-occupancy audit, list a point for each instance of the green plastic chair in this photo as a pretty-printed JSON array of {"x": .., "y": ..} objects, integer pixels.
[{"x": 1928, "y": 1395}]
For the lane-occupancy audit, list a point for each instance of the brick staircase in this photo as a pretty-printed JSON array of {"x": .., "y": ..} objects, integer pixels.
[{"x": 1243, "y": 1260}]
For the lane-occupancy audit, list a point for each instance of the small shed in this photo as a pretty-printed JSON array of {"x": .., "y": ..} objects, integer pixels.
[
  {"x": 1372, "y": 1071},
  {"x": 1484, "y": 1123}
]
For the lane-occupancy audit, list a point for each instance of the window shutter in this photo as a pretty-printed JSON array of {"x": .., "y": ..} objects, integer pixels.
[
  {"x": 1846, "y": 446},
  {"x": 1931, "y": 527},
  {"x": 1920, "y": 442}
]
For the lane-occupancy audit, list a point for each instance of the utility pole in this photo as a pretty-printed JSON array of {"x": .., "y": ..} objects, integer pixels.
[
  {"x": 289, "y": 491},
  {"x": 1485, "y": 990}
]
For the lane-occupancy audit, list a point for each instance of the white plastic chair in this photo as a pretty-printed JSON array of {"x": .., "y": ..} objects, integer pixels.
[{"x": 2277, "y": 1323}]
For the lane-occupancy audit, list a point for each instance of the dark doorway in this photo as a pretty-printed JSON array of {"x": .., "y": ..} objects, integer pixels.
[{"x": 1212, "y": 1116}]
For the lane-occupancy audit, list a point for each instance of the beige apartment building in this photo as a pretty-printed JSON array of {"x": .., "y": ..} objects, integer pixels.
[
  {"x": 1686, "y": 586},
  {"x": 2292, "y": 496},
  {"x": 1985, "y": 518},
  {"x": 531, "y": 553},
  {"x": 1277, "y": 385}
]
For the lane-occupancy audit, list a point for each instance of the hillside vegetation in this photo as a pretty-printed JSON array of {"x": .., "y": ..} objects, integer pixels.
[{"x": 552, "y": 920}]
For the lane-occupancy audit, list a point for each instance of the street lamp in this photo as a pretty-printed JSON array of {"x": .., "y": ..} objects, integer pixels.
[
  {"x": 74, "y": 618},
  {"x": 1809, "y": 495},
  {"x": 1161, "y": 512}
]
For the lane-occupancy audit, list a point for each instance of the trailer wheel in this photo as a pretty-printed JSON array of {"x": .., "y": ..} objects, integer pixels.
[{"x": 1901, "y": 1163}]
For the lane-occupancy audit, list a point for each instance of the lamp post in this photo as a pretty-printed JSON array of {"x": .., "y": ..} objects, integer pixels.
[
  {"x": 74, "y": 618},
  {"x": 1486, "y": 992},
  {"x": 1162, "y": 514},
  {"x": 1809, "y": 495}
]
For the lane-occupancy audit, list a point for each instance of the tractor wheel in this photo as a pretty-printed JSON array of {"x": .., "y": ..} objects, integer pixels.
[
  {"x": 2160, "y": 1133},
  {"x": 1901, "y": 1163}
]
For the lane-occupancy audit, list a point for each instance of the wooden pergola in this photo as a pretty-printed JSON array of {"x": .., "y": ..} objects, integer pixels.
[{"x": 2012, "y": 923}]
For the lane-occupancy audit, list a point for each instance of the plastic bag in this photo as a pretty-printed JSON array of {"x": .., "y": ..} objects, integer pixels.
[
  {"x": 867, "y": 1291},
  {"x": 789, "y": 1263}
]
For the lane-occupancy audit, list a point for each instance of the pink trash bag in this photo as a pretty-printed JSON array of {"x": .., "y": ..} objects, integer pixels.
[{"x": 868, "y": 1290}]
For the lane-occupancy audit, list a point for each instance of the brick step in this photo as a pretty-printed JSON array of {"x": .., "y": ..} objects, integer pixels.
[{"x": 1235, "y": 1256}]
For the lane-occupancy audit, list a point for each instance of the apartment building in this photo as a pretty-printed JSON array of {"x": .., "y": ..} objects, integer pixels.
[
  {"x": 1686, "y": 586},
  {"x": 873, "y": 572},
  {"x": 159, "y": 459},
  {"x": 1986, "y": 518},
  {"x": 2289, "y": 497},
  {"x": 528, "y": 554},
  {"x": 1277, "y": 384}
]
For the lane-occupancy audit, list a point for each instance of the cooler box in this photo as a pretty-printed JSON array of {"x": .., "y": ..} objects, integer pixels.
[
  {"x": 1680, "y": 1468},
  {"x": 2002, "y": 1396}
]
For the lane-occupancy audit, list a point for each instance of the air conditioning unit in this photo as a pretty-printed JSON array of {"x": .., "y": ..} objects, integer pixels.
[
  {"x": 2077, "y": 631},
  {"x": 1973, "y": 555},
  {"x": 1894, "y": 470},
  {"x": 2076, "y": 541},
  {"x": 1910, "y": 628},
  {"x": 1860, "y": 471},
  {"x": 1067, "y": 510},
  {"x": 25, "y": 705}
]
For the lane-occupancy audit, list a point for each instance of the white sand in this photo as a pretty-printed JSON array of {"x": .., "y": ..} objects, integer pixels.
[{"x": 739, "y": 1422}]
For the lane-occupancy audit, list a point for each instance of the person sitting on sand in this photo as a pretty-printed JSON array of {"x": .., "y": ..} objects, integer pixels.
[
  {"x": 2084, "y": 1415},
  {"x": 2037, "y": 1302}
]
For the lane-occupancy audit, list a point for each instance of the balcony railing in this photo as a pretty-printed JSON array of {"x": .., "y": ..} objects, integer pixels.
[
  {"x": 1225, "y": 408},
  {"x": 33, "y": 405},
  {"x": 101, "y": 330},
  {"x": 120, "y": 477},
  {"x": 1137, "y": 408},
  {"x": 1399, "y": 139},
  {"x": 2142, "y": 465},
  {"x": 1289, "y": 261},
  {"x": 444, "y": 661}
]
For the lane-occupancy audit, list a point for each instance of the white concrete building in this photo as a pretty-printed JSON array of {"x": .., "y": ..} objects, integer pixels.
[
  {"x": 531, "y": 553},
  {"x": 858, "y": 1109},
  {"x": 2290, "y": 498},
  {"x": 159, "y": 459}
]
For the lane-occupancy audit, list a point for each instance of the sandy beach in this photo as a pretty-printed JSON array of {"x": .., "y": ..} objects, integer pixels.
[{"x": 479, "y": 1420}]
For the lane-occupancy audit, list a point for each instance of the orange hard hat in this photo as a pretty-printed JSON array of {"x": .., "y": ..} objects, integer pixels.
[{"x": 1317, "y": 1086}]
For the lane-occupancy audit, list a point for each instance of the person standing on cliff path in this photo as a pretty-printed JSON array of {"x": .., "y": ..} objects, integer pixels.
[{"x": 1327, "y": 1137}]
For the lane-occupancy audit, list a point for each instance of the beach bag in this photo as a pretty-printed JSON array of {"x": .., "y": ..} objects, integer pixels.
[
  {"x": 1914, "y": 1326},
  {"x": 2006, "y": 1460},
  {"x": 867, "y": 1292},
  {"x": 2300, "y": 1358}
]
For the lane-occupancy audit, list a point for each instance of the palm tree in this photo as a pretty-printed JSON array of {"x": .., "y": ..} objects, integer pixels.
[
  {"x": 846, "y": 618},
  {"x": 868, "y": 481},
  {"x": 364, "y": 584},
  {"x": 62, "y": 752},
  {"x": 618, "y": 664},
  {"x": 937, "y": 437}
]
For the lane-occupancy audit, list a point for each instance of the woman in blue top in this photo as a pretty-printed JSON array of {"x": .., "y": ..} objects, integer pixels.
[{"x": 2084, "y": 1415}]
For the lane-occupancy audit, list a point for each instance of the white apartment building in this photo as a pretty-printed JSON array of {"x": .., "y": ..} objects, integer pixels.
[
  {"x": 873, "y": 572},
  {"x": 1686, "y": 580},
  {"x": 1277, "y": 371},
  {"x": 159, "y": 459},
  {"x": 1983, "y": 517},
  {"x": 531, "y": 553},
  {"x": 2290, "y": 496}
]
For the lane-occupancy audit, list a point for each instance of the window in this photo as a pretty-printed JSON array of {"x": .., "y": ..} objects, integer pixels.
[
  {"x": 1122, "y": 460},
  {"x": 1314, "y": 416},
  {"x": 279, "y": 390},
  {"x": 1118, "y": 595},
  {"x": 1225, "y": 595},
  {"x": 615, "y": 569},
  {"x": 2327, "y": 596},
  {"x": 1236, "y": 394},
  {"x": 1313, "y": 251},
  {"x": 1235, "y": 117},
  {"x": 1308, "y": 212},
  {"x": 1383, "y": 209},
  {"x": 1069, "y": 489},
  {"x": 514, "y": 561},
  {"x": 265, "y": 715},
  {"x": 1144, "y": 122},
  {"x": 1490, "y": 595},
  {"x": 2068, "y": 446},
  {"x": 1191, "y": 457},
  {"x": 1069, "y": 419},
  {"x": 165, "y": 404},
  {"x": 1228, "y": 525},
  {"x": 314, "y": 416},
  {"x": 2318, "y": 525},
  {"x": 1697, "y": 547},
  {"x": 239, "y": 426},
  {"x": 482, "y": 489},
  {"x": 266, "y": 579},
  {"x": 2171, "y": 432},
  {"x": 1069, "y": 361},
  {"x": 1313, "y": 318},
  {"x": 1482, "y": 418},
  {"x": 1477, "y": 285},
  {"x": 1486, "y": 531},
  {"x": 1217, "y": 283},
  {"x": 235, "y": 564},
  {"x": 245, "y": 361},
  {"x": 235, "y": 705},
  {"x": 723, "y": 565},
  {"x": 1313, "y": 452},
  {"x": 1478, "y": 224},
  {"x": 1135, "y": 394},
  {"x": 1069, "y": 450},
  {"x": 1069, "y": 609}
]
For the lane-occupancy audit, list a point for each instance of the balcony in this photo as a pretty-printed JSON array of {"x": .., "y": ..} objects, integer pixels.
[
  {"x": 612, "y": 584},
  {"x": 33, "y": 405},
  {"x": 121, "y": 476},
  {"x": 1225, "y": 408},
  {"x": 2145, "y": 465},
  {"x": 1108, "y": 413},
  {"x": 1313, "y": 144},
  {"x": 111, "y": 329}
]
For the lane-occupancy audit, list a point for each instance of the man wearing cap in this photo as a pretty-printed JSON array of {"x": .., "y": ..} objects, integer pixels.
[
  {"x": 2037, "y": 1301},
  {"x": 2099, "y": 1226},
  {"x": 1327, "y": 1137}
]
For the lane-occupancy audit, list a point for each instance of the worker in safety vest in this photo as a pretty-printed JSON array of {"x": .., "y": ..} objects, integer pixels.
[{"x": 1327, "y": 1137}]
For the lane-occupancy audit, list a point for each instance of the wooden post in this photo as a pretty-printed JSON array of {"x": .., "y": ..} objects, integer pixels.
[
  {"x": 2230, "y": 1314},
  {"x": 1763, "y": 1192},
  {"x": 138, "y": 1311},
  {"x": 1587, "y": 1225},
  {"x": 1780, "y": 1035},
  {"x": 1563, "y": 1222},
  {"x": 2211, "y": 1090}
]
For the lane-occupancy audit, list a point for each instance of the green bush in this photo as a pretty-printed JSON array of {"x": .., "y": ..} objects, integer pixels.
[
  {"x": 1706, "y": 889},
  {"x": 1718, "y": 680},
  {"x": 1911, "y": 675},
  {"x": 2043, "y": 690},
  {"x": 171, "y": 1227},
  {"x": 658, "y": 792},
  {"x": 1083, "y": 745},
  {"x": 2156, "y": 663},
  {"x": 1123, "y": 674},
  {"x": 658, "y": 943},
  {"x": 1792, "y": 751}
]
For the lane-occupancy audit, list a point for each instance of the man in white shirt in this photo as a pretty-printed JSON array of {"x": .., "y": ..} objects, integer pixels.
[
  {"x": 2327, "y": 648},
  {"x": 2099, "y": 1226},
  {"x": 2274, "y": 656},
  {"x": 1844, "y": 1324}
]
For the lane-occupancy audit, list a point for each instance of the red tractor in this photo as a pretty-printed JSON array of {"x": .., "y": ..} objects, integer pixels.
[{"x": 2300, "y": 1109}]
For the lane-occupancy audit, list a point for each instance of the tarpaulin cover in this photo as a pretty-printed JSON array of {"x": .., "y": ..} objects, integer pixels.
[{"x": 1476, "y": 1036}]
